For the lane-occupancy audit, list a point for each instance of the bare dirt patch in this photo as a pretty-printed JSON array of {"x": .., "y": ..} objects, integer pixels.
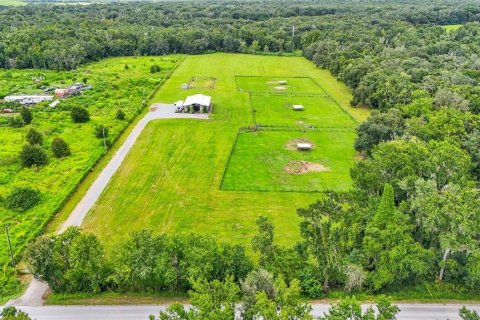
[
  {"x": 202, "y": 83},
  {"x": 359, "y": 156},
  {"x": 282, "y": 88},
  {"x": 292, "y": 144},
  {"x": 302, "y": 167}
]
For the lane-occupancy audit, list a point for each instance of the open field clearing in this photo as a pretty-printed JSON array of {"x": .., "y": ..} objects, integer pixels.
[
  {"x": 452, "y": 27},
  {"x": 319, "y": 111},
  {"x": 12, "y": 3},
  {"x": 278, "y": 85},
  {"x": 171, "y": 179},
  {"x": 270, "y": 161},
  {"x": 114, "y": 87}
]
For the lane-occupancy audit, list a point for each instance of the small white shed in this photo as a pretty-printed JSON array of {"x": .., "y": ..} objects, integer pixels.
[
  {"x": 54, "y": 104},
  {"x": 304, "y": 146},
  {"x": 298, "y": 107}
]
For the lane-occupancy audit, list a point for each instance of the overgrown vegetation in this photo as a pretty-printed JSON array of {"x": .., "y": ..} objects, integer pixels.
[
  {"x": 53, "y": 153},
  {"x": 22, "y": 199}
]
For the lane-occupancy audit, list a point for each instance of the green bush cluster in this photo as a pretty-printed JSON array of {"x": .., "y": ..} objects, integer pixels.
[
  {"x": 155, "y": 68},
  {"x": 79, "y": 115},
  {"x": 33, "y": 155},
  {"x": 60, "y": 148},
  {"x": 22, "y": 199},
  {"x": 144, "y": 263},
  {"x": 34, "y": 137}
]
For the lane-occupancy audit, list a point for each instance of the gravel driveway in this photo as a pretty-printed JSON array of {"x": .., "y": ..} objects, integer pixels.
[{"x": 36, "y": 290}]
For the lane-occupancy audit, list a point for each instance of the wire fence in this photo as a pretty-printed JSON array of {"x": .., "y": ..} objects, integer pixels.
[
  {"x": 264, "y": 189},
  {"x": 260, "y": 127}
]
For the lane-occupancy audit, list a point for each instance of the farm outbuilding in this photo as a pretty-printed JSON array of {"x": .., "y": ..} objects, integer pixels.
[
  {"x": 28, "y": 99},
  {"x": 61, "y": 93},
  {"x": 298, "y": 107},
  {"x": 304, "y": 146},
  {"x": 199, "y": 102}
]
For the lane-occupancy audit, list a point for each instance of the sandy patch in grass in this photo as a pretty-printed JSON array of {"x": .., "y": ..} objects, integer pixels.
[
  {"x": 302, "y": 167},
  {"x": 292, "y": 144},
  {"x": 281, "y": 88},
  {"x": 359, "y": 156}
]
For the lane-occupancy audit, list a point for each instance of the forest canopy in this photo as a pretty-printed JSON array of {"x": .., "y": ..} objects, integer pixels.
[{"x": 413, "y": 214}]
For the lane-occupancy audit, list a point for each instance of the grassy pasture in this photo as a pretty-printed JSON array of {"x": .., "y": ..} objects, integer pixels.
[
  {"x": 171, "y": 179},
  {"x": 452, "y": 27},
  {"x": 114, "y": 87},
  {"x": 261, "y": 159},
  {"x": 12, "y": 3},
  {"x": 320, "y": 111},
  {"x": 272, "y": 84}
]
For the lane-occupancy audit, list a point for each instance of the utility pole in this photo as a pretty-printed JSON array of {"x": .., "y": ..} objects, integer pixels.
[
  {"x": 10, "y": 246},
  {"x": 293, "y": 32},
  {"x": 104, "y": 140}
]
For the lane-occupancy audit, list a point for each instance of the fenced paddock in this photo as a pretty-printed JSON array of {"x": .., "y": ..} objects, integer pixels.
[
  {"x": 260, "y": 157},
  {"x": 278, "y": 85},
  {"x": 263, "y": 158},
  {"x": 202, "y": 82},
  {"x": 319, "y": 111}
]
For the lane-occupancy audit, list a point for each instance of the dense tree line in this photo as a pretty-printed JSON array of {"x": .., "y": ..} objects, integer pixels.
[
  {"x": 413, "y": 214},
  {"x": 75, "y": 262},
  {"x": 62, "y": 37},
  {"x": 358, "y": 241}
]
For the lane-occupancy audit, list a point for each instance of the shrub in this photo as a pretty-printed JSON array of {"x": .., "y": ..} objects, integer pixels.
[
  {"x": 15, "y": 122},
  {"x": 120, "y": 115},
  {"x": 101, "y": 131},
  {"x": 79, "y": 115},
  {"x": 12, "y": 313},
  {"x": 34, "y": 137},
  {"x": 33, "y": 155},
  {"x": 22, "y": 199},
  {"x": 26, "y": 115},
  {"x": 60, "y": 148},
  {"x": 155, "y": 68}
]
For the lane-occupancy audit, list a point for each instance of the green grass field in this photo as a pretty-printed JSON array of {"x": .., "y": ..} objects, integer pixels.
[
  {"x": 263, "y": 161},
  {"x": 114, "y": 87},
  {"x": 278, "y": 85},
  {"x": 12, "y": 3},
  {"x": 451, "y": 27},
  {"x": 171, "y": 179},
  {"x": 319, "y": 111}
]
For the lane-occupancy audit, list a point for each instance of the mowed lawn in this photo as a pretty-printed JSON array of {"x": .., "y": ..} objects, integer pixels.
[
  {"x": 273, "y": 84},
  {"x": 319, "y": 111},
  {"x": 265, "y": 160},
  {"x": 171, "y": 179}
]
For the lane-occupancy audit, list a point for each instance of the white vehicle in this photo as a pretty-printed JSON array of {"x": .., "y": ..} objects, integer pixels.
[{"x": 179, "y": 106}]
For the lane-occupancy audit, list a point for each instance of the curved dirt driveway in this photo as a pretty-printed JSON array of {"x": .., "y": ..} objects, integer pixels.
[{"x": 36, "y": 290}]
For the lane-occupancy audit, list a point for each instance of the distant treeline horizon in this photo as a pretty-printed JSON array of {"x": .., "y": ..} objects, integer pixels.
[{"x": 63, "y": 37}]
